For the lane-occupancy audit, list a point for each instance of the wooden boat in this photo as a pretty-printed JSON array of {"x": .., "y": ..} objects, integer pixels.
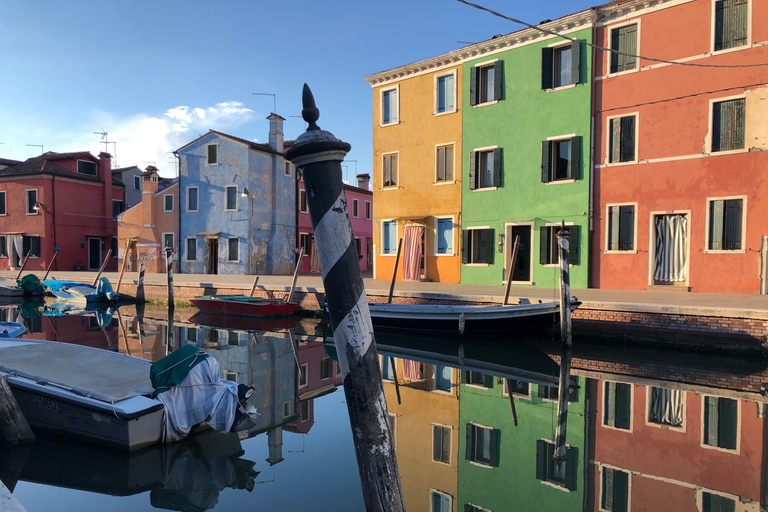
[
  {"x": 12, "y": 329},
  {"x": 81, "y": 292},
  {"x": 463, "y": 319},
  {"x": 240, "y": 323},
  {"x": 243, "y": 305},
  {"x": 9, "y": 288}
]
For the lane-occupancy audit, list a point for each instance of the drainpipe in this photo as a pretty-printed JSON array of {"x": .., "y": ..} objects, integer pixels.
[
  {"x": 296, "y": 213},
  {"x": 178, "y": 216},
  {"x": 53, "y": 206},
  {"x": 590, "y": 238}
]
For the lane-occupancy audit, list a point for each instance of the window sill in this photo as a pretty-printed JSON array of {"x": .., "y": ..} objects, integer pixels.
[
  {"x": 730, "y": 50},
  {"x": 212, "y": 165},
  {"x": 734, "y": 251},
  {"x": 438, "y": 114},
  {"x": 438, "y": 255},
  {"x": 621, "y": 73},
  {"x": 384, "y": 189},
  {"x": 561, "y": 88},
  {"x": 551, "y": 265},
  {"x": 191, "y": 211},
  {"x": 33, "y": 213},
  {"x": 231, "y": 210},
  {"x": 441, "y": 462},
  {"x": 560, "y": 182},
  {"x": 634, "y": 251},
  {"x": 484, "y": 189},
  {"x": 386, "y": 255},
  {"x": 389, "y": 124},
  {"x": 485, "y": 104},
  {"x": 167, "y": 211},
  {"x": 619, "y": 164},
  {"x": 477, "y": 264},
  {"x": 480, "y": 464},
  {"x": 555, "y": 485},
  {"x": 728, "y": 152},
  {"x": 304, "y": 211},
  {"x": 528, "y": 283},
  {"x": 452, "y": 182}
]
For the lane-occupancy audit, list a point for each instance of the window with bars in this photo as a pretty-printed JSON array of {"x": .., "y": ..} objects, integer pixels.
[
  {"x": 549, "y": 251},
  {"x": 561, "y": 66},
  {"x": 477, "y": 246},
  {"x": 485, "y": 169},
  {"x": 560, "y": 159},
  {"x": 389, "y": 171},
  {"x": 731, "y": 24},
  {"x": 485, "y": 83},
  {"x": 720, "y": 422},
  {"x": 617, "y": 411},
  {"x": 621, "y": 139},
  {"x": 482, "y": 445},
  {"x": 725, "y": 225},
  {"x": 621, "y": 228},
  {"x": 441, "y": 444},
  {"x": 624, "y": 41},
  {"x": 444, "y": 163},
  {"x": 728, "y": 125},
  {"x": 615, "y": 490}
]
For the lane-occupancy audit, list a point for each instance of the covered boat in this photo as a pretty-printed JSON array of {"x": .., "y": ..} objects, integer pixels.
[
  {"x": 243, "y": 305},
  {"x": 12, "y": 329},
  {"x": 9, "y": 288},
  {"x": 82, "y": 292}
]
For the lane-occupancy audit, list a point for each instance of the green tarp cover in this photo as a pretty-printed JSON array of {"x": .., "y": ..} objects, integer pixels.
[
  {"x": 31, "y": 284},
  {"x": 173, "y": 368}
]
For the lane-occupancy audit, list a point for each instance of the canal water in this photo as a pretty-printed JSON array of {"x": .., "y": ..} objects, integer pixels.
[{"x": 474, "y": 424}]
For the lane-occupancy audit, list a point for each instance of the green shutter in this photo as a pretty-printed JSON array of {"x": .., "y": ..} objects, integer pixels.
[
  {"x": 733, "y": 215},
  {"x": 490, "y": 246},
  {"x": 498, "y": 68},
  {"x": 473, "y": 170},
  {"x": 728, "y": 422},
  {"x": 470, "y": 438},
  {"x": 495, "y": 447},
  {"x": 497, "y": 167},
  {"x": 614, "y": 232},
  {"x": 739, "y": 23},
  {"x": 541, "y": 459},
  {"x": 623, "y": 406},
  {"x": 614, "y": 142},
  {"x": 546, "y": 168},
  {"x": 609, "y": 413},
  {"x": 716, "y": 224},
  {"x": 711, "y": 415},
  {"x": 616, "y": 38},
  {"x": 547, "y": 54},
  {"x": 571, "y": 468},
  {"x": 573, "y": 252},
  {"x": 473, "y": 85},
  {"x": 630, "y": 47},
  {"x": 576, "y": 62},
  {"x": 627, "y": 228},
  {"x": 574, "y": 163},
  {"x": 465, "y": 234},
  {"x": 544, "y": 243},
  {"x": 436, "y": 442},
  {"x": 627, "y": 139},
  {"x": 620, "y": 491},
  {"x": 487, "y": 380}
]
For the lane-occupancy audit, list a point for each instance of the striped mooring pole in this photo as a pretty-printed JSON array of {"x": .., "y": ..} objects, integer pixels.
[
  {"x": 319, "y": 155},
  {"x": 559, "y": 456}
]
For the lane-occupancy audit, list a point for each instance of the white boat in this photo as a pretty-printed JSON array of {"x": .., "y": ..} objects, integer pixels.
[
  {"x": 9, "y": 288},
  {"x": 12, "y": 329}
]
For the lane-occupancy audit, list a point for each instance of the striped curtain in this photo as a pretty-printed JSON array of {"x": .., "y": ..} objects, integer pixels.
[
  {"x": 412, "y": 252},
  {"x": 413, "y": 370},
  {"x": 667, "y": 406},
  {"x": 671, "y": 261},
  {"x": 314, "y": 263}
]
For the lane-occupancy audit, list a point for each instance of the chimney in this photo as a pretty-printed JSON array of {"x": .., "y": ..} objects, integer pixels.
[
  {"x": 105, "y": 173},
  {"x": 276, "y": 132},
  {"x": 363, "y": 180}
]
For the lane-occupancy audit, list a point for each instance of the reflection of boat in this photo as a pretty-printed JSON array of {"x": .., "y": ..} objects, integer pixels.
[
  {"x": 243, "y": 305},
  {"x": 82, "y": 292},
  {"x": 65, "y": 308},
  {"x": 241, "y": 323},
  {"x": 464, "y": 319},
  {"x": 11, "y": 329},
  {"x": 8, "y": 288}
]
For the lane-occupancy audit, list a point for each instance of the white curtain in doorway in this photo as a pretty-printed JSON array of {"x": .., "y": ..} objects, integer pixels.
[
  {"x": 671, "y": 260},
  {"x": 412, "y": 252},
  {"x": 18, "y": 244},
  {"x": 314, "y": 262}
]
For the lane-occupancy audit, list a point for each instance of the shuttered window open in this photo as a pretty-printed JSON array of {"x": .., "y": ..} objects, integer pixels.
[
  {"x": 731, "y": 24},
  {"x": 728, "y": 123},
  {"x": 720, "y": 422},
  {"x": 725, "y": 225},
  {"x": 624, "y": 41},
  {"x": 618, "y": 401},
  {"x": 621, "y": 228},
  {"x": 615, "y": 490},
  {"x": 477, "y": 246},
  {"x": 621, "y": 139},
  {"x": 549, "y": 251}
]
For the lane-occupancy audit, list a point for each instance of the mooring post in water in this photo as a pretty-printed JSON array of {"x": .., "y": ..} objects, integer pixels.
[
  {"x": 50, "y": 265},
  {"x": 169, "y": 270},
  {"x": 564, "y": 385},
  {"x": 13, "y": 424},
  {"x": 140, "y": 286},
  {"x": 563, "y": 240},
  {"x": 319, "y": 155},
  {"x": 394, "y": 272},
  {"x": 103, "y": 266}
]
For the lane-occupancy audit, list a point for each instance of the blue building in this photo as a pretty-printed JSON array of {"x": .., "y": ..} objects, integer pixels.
[{"x": 237, "y": 210}]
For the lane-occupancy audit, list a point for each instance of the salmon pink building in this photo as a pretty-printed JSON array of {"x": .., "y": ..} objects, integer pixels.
[{"x": 681, "y": 146}]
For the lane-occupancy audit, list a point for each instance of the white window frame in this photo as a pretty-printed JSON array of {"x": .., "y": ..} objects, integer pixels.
[
  {"x": 186, "y": 248},
  {"x": 453, "y": 163},
  {"x": 486, "y": 149},
  {"x": 173, "y": 243},
  {"x": 435, "y": 491},
  {"x": 556, "y": 46},
  {"x": 355, "y": 208},
  {"x": 30, "y": 210},
  {"x": 381, "y": 236},
  {"x": 397, "y": 176},
  {"x": 737, "y": 450},
  {"x": 476, "y": 228},
  {"x": 238, "y": 248},
  {"x": 455, "y": 92},
  {"x": 710, "y": 128},
  {"x": 368, "y": 210},
  {"x": 605, "y": 237},
  {"x": 743, "y": 249},
  {"x": 508, "y": 246},
  {"x": 30, "y": 249},
  {"x": 5, "y": 203},
  {"x": 599, "y": 496},
  {"x": 650, "y": 423},
  {"x": 485, "y": 64},
  {"x": 486, "y": 427},
  {"x": 607, "y": 162},
  {"x": 453, "y": 235},
  {"x": 207, "y": 163},
  {"x": 85, "y": 173},
  {"x": 305, "y": 209},
  {"x": 554, "y": 225},
  {"x": 652, "y": 243},
  {"x": 137, "y": 181},
  {"x": 631, "y": 407},
  {"x": 505, "y": 390},
  {"x": 198, "y": 199},
  {"x": 383, "y": 90},
  {"x": 608, "y": 35},
  {"x": 165, "y": 199},
  {"x": 305, "y": 367},
  {"x": 226, "y": 196},
  {"x": 450, "y": 445},
  {"x": 560, "y": 138},
  {"x": 750, "y": 43}
]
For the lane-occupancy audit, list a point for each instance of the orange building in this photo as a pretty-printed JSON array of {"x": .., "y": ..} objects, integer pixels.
[{"x": 417, "y": 169}]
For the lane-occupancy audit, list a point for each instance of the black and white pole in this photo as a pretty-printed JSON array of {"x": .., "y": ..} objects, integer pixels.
[
  {"x": 319, "y": 155},
  {"x": 169, "y": 270},
  {"x": 140, "y": 286},
  {"x": 563, "y": 240},
  {"x": 560, "y": 455}
]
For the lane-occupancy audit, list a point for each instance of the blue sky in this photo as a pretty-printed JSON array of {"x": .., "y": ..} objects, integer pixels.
[{"x": 158, "y": 74}]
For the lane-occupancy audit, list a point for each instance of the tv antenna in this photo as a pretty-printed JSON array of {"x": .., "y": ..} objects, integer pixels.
[
  {"x": 105, "y": 140},
  {"x": 42, "y": 149},
  {"x": 274, "y": 99}
]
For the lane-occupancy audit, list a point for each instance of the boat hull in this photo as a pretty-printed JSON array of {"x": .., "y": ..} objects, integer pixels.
[{"x": 261, "y": 308}]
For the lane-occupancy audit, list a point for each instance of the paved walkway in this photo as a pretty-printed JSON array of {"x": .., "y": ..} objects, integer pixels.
[{"x": 672, "y": 302}]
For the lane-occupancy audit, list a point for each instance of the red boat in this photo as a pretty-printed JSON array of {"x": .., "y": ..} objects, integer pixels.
[
  {"x": 241, "y": 323},
  {"x": 243, "y": 305}
]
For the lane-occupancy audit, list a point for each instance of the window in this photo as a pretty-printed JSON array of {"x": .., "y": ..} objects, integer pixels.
[
  {"x": 137, "y": 183},
  {"x": 359, "y": 248},
  {"x": 387, "y": 368},
  {"x": 546, "y": 469},
  {"x": 725, "y": 224},
  {"x": 621, "y": 228},
  {"x": 445, "y": 94},
  {"x": 389, "y": 107},
  {"x": 518, "y": 387},
  {"x": 31, "y": 246},
  {"x": 303, "y": 201},
  {"x": 389, "y": 237},
  {"x": 478, "y": 379},
  {"x": 168, "y": 241},
  {"x": 233, "y": 249},
  {"x": 305, "y": 242},
  {"x": 485, "y": 168},
  {"x": 390, "y": 171},
  {"x": 326, "y": 368},
  {"x": 624, "y": 40},
  {"x": 549, "y": 251},
  {"x": 474, "y": 508},
  {"x": 303, "y": 375},
  {"x": 485, "y": 83},
  {"x": 192, "y": 249},
  {"x": 305, "y": 411},
  {"x": 118, "y": 207},
  {"x": 441, "y": 444},
  {"x": 443, "y": 381},
  {"x": 286, "y": 409},
  {"x": 615, "y": 490},
  {"x": 560, "y": 66},
  {"x": 553, "y": 392},
  {"x": 31, "y": 202},
  {"x": 192, "y": 199},
  {"x": 287, "y": 168},
  {"x": 212, "y": 152},
  {"x": 477, "y": 246},
  {"x": 731, "y": 24},
  {"x": 666, "y": 407},
  {"x": 86, "y": 167},
  {"x": 482, "y": 445},
  {"x": 367, "y": 210},
  {"x": 231, "y": 199},
  {"x": 444, "y": 237},
  {"x": 192, "y": 335},
  {"x": 3, "y": 210},
  {"x": 113, "y": 246},
  {"x": 3, "y": 246},
  {"x": 621, "y": 139},
  {"x": 716, "y": 503},
  {"x": 560, "y": 159},
  {"x": 440, "y": 502},
  {"x": 617, "y": 411},
  {"x": 444, "y": 163},
  {"x": 720, "y": 422},
  {"x": 168, "y": 203},
  {"x": 355, "y": 208},
  {"x": 728, "y": 120}
]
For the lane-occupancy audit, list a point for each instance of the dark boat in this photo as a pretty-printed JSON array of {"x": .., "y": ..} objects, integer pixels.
[{"x": 243, "y": 305}]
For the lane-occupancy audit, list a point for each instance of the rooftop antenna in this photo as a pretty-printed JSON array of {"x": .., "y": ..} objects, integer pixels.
[
  {"x": 106, "y": 142},
  {"x": 42, "y": 149},
  {"x": 274, "y": 99},
  {"x": 174, "y": 159}
]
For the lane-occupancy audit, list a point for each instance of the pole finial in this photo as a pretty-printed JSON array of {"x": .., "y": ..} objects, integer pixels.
[{"x": 310, "y": 112}]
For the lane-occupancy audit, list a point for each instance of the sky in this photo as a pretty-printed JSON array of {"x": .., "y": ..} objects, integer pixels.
[{"x": 156, "y": 75}]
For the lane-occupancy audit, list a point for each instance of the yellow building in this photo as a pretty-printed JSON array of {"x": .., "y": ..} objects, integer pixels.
[{"x": 417, "y": 170}]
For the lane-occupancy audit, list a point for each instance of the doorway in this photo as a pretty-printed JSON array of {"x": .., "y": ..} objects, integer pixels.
[
  {"x": 212, "y": 256},
  {"x": 670, "y": 255},
  {"x": 94, "y": 253},
  {"x": 522, "y": 271}
]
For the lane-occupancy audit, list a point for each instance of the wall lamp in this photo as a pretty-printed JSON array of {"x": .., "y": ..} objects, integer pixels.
[
  {"x": 39, "y": 206},
  {"x": 245, "y": 193}
]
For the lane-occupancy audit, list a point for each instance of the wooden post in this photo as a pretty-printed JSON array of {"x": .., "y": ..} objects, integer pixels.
[
  {"x": 50, "y": 265},
  {"x": 253, "y": 288},
  {"x": 511, "y": 400},
  {"x": 103, "y": 266},
  {"x": 564, "y": 386},
  {"x": 295, "y": 276},
  {"x": 24, "y": 264},
  {"x": 169, "y": 271},
  {"x": 394, "y": 373},
  {"x": 13, "y": 424},
  {"x": 394, "y": 272},
  {"x": 563, "y": 237},
  {"x": 122, "y": 267},
  {"x": 319, "y": 155},
  {"x": 122, "y": 331},
  {"x": 140, "y": 286},
  {"x": 511, "y": 268}
]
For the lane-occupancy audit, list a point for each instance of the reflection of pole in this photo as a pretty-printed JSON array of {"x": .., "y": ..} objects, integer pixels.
[
  {"x": 562, "y": 413},
  {"x": 394, "y": 272},
  {"x": 169, "y": 270},
  {"x": 563, "y": 237},
  {"x": 319, "y": 154},
  {"x": 394, "y": 378}
]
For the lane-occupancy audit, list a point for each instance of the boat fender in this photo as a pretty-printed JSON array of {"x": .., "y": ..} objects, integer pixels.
[{"x": 462, "y": 323}]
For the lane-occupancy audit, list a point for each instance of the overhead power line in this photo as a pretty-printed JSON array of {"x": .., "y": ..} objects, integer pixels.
[{"x": 652, "y": 59}]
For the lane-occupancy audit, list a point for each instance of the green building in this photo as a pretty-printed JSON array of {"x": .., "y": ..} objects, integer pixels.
[{"x": 526, "y": 124}]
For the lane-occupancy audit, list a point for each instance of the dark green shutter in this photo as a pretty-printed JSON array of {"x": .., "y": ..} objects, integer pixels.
[
  {"x": 544, "y": 244},
  {"x": 614, "y": 141},
  {"x": 465, "y": 234},
  {"x": 717, "y": 128},
  {"x": 609, "y": 404},
  {"x": 733, "y": 215},
  {"x": 490, "y": 246},
  {"x": 497, "y": 167},
  {"x": 576, "y": 62},
  {"x": 547, "y": 54},
  {"x": 473, "y": 85},
  {"x": 728, "y": 422},
  {"x": 473, "y": 170},
  {"x": 488, "y": 381},
  {"x": 620, "y": 491},
  {"x": 546, "y": 168},
  {"x": 495, "y": 447},
  {"x": 541, "y": 459},
  {"x": 573, "y": 252},
  {"x": 25, "y": 246},
  {"x": 498, "y": 69},
  {"x": 627, "y": 138},
  {"x": 437, "y": 440},
  {"x": 574, "y": 163},
  {"x": 716, "y": 213},
  {"x": 623, "y": 405},
  {"x": 739, "y": 23},
  {"x": 630, "y": 47},
  {"x": 626, "y": 228},
  {"x": 470, "y": 438},
  {"x": 616, "y": 38},
  {"x": 571, "y": 467}
]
